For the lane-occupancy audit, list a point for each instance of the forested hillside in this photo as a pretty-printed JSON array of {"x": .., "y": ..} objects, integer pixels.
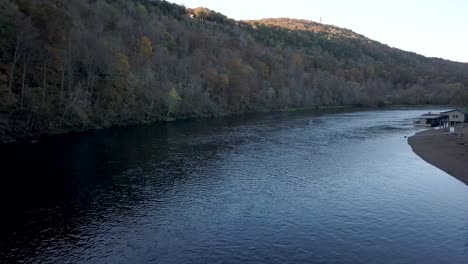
[{"x": 68, "y": 65}]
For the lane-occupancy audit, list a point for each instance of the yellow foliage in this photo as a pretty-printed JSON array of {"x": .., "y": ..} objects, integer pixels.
[
  {"x": 171, "y": 42},
  {"x": 142, "y": 12},
  {"x": 122, "y": 61},
  {"x": 201, "y": 12},
  {"x": 224, "y": 80},
  {"x": 173, "y": 100},
  {"x": 145, "y": 47},
  {"x": 174, "y": 95},
  {"x": 298, "y": 60}
]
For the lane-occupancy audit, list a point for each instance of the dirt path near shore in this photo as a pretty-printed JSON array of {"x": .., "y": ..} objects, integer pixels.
[{"x": 449, "y": 152}]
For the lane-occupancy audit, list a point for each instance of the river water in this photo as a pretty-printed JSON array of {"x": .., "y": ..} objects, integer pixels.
[{"x": 271, "y": 188}]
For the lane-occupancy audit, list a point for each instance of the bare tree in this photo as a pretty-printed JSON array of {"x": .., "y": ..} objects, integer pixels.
[
  {"x": 25, "y": 63},
  {"x": 15, "y": 60}
]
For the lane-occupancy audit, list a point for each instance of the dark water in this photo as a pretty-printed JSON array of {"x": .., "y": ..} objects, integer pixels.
[{"x": 279, "y": 188}]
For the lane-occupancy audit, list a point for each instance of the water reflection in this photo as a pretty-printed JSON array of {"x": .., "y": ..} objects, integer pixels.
[{"x": 282, "y": 188}]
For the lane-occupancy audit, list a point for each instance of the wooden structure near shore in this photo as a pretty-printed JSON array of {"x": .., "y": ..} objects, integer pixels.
[
  {"x": 431, "y": 120},
  {"x": 443, "y": 119},
  {"x": 456, "y": 117}
]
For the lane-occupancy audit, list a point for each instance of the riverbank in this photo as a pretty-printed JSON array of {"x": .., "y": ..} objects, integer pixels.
[
  {"x": 449, "y": 152},
  {"x": 13, "y": 130}
]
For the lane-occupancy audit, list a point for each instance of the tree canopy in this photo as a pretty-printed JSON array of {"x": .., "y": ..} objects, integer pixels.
[{"x": 74, "y": 65}]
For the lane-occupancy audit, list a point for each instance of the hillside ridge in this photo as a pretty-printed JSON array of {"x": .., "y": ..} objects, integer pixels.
[
  {"x": 78, "y": 65},
  {"x": 307, "y": 25}
]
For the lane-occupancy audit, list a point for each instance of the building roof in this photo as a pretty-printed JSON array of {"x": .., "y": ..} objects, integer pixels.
[
  {"x": 430, "y": 115},
  {"x": 461, "y": 111}
]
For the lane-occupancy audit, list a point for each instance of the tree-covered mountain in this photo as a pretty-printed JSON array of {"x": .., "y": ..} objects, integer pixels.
[{"x": 81, "y": 64}]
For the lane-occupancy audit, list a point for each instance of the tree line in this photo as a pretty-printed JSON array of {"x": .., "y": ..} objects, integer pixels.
[{"x": 71, "y": 65}]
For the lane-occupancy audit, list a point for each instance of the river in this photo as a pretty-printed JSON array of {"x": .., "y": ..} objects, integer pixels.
[{"x": 268, "y": 188}]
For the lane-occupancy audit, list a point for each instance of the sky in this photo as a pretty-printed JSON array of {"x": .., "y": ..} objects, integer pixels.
[{"x": 434, "y": 28}]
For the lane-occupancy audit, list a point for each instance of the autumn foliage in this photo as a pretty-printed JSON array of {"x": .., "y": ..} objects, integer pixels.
[{"x": 74, "y": 65}]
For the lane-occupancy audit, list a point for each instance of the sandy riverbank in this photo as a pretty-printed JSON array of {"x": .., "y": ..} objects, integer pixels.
[{"x": 449, "y": 152}]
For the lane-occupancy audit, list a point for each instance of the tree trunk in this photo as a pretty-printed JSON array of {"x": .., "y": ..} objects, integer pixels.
[
  {"x": 70, "y": 106},
  {"x": 91, "y": 89},
  {"x": 150, "y": 113},
  {"x": 186, "y": 77},
  {"x": 70, "y": 73},
  {"x": 15, "y": 59},
  {"x": 24, "y": 80},
  {"x": 45, "y": 85},
  {"x": 90, "y": 84},
  {"x": 62, "y": 82}
]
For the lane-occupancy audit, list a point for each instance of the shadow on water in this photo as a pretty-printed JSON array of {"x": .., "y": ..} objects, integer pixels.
[
  {"x": 49, "y": 188},
  {"x": 55, "y": 194}
]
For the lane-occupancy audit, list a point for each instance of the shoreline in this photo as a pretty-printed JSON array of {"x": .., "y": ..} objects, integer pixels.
[
  {"x": 448, "y": 152},
  {"x": 9, "y": 137}
]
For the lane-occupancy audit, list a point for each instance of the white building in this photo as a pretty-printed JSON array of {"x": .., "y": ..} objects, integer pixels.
[{"x": 456, "y": 117}]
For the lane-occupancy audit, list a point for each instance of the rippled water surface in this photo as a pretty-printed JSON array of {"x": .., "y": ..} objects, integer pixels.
[{"x": 277, "y": 188}]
